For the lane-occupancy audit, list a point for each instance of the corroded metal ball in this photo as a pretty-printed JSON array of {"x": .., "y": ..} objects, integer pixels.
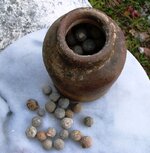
[
  {"x": 59, "y": 144},
  {"x": 31, "y": 132},
  {"x": 66, "y": 123},
  {"x": 32, "y": 104},
  {"x": 36, "y": 121},
  {"x": 86, "y": 142},
  {"x": 76, "y": 135},
  {"x": 47, "y": 144},
  {"x": 41, "y": 135},
  {"x": 50, "y": 106}
]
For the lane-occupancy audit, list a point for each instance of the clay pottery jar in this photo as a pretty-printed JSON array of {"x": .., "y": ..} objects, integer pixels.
[{"x": 89, "y": 76}]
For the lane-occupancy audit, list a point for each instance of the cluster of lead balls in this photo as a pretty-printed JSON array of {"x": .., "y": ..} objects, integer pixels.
[
  {"x": 62, "y": 110},
  {"x": 85, "y": 39}
]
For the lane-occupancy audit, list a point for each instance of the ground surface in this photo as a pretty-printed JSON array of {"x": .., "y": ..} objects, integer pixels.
[{"x": 134, "y": 19}]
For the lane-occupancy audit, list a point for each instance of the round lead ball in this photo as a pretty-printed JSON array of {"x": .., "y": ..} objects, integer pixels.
[
  {"x": 69, "y": 113},
  {"x": 47, "y": 144},
  {"x": 51, "y": 132},
  {"x": 50, "y": 106},
  {"x": 88, "y": 121},
  {"x": 32, "y": 104},
  {"x": 31, "y": 132},
  {"x": 54, "y": 96},
  {"x": 41, "y": 112},
  {"x": 66, "y": 123},
  {"x": 63, "y": 102},
  {"x": 47, "y": 90},
  {"x": 59, "y": 144},
  {"x": 59, "y": 113},
  {"x": 41, "y": 135},
  {"x": 76, "y": 135},
  {"x": 76, "y": 108},
  {"x": 64, "y": 134},
  {"x": 88, "y": 46},
  {"x": 36, "y": 121},
  {"x": 78, "y": 49},
  {"x": 81, "y": 34},
  {"x": 86, "y": 142}
]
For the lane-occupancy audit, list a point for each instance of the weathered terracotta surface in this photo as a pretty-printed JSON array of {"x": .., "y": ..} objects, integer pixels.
[{"x": 79, "y": 77}]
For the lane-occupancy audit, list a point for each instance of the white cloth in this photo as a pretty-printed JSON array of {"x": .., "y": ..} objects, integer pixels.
[{"x": 122, "y": 122}]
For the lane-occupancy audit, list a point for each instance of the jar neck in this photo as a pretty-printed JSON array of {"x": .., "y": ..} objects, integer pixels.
[{"x": 92, "y": 16}]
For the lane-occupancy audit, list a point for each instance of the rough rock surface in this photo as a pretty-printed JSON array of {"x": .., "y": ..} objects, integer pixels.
[{"x": 19, "y": 17}]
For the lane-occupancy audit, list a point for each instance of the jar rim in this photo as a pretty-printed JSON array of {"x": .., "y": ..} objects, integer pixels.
[{"x": 81, "y": 15}]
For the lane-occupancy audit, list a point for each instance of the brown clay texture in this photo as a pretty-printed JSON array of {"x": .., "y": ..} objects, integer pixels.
[{"x": 84, "y": 78}]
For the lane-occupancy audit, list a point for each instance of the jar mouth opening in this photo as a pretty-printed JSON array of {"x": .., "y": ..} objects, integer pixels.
[
  {"x": 98, "y": 35},
  {"x": 86, "y": 37}
]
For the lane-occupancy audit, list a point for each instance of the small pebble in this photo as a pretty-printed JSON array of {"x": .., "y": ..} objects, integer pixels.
[
  {"x": 81, "y": 34},
  {"x": 59, "y": 113},
  {"x": 76, "y": 108},
  {"x": 54, "y": 96},
  {"x": 51, "y": 132},
  {"x": 59, "y": 144},
  {"x": 47, "y": 144},
  {"x": 50, "y": 106},
  {"x": 88, "y": 121},
  {"x": 32, "y": 104},
  {"x": 76, "y": 135},
  {"x": 89, "y": 46},
  {"x": 41, "y": 112},
  {"x": 31, "y": 132},
  {"x": 66, "y": 123},
  {"x": 63, "y": 103},
  {"x": 41, "y": 135},
  {"x": 36, "y": 121},
  {"x": 69, "y": 113},
  {"x": 71, "y": 41},
  {"x": 78, "y": 49},
  {"x": 47, "y": 90},
  {"x": 86, "y": 142},
  {"x": 64, "y": 134}
]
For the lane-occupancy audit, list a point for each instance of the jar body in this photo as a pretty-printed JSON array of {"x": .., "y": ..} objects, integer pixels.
[{"x": 83, "y": 78}]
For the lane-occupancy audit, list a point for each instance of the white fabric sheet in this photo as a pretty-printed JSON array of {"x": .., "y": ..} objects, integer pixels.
[{"x": 122, "y": 122}]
